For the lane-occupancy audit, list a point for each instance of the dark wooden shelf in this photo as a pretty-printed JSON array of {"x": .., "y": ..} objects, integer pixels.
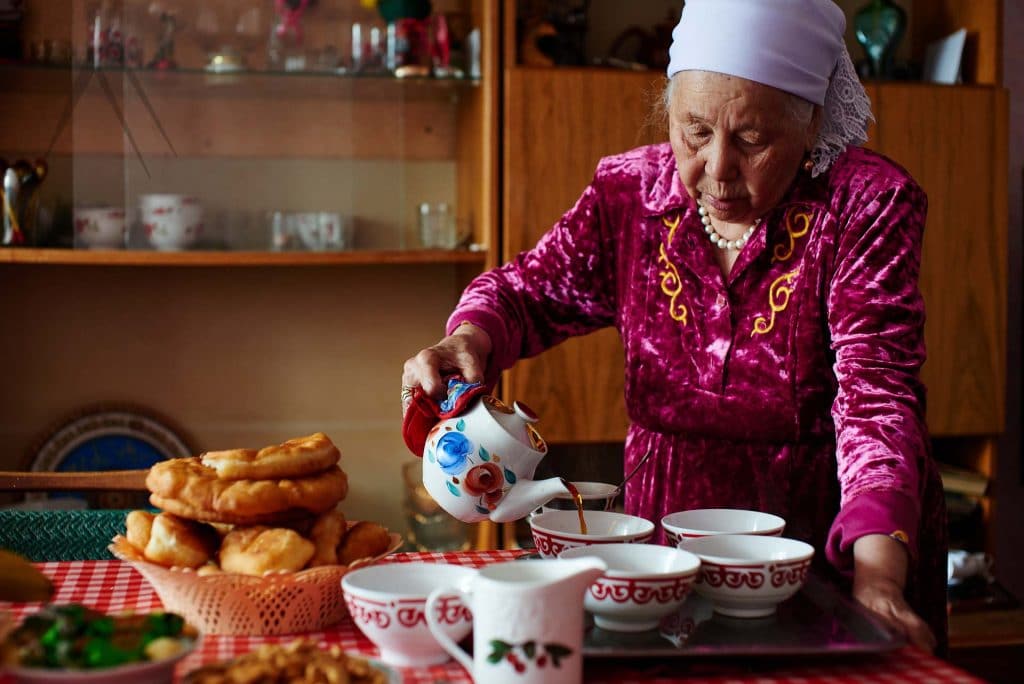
[{"x": 75, "y": 257}]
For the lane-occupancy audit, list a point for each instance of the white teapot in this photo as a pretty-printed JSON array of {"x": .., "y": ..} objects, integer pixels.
[{"x": 479, "y": 465}]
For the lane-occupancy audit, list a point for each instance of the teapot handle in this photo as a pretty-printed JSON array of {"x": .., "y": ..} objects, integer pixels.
[{"x": 447, "y": 643}]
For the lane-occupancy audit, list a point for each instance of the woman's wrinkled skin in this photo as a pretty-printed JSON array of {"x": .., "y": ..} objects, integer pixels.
[{"x": 738, "y": 147}]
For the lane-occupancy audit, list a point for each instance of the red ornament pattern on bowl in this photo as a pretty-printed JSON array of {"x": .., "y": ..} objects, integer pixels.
[
  {"x": 407, "y": 613},
  {"x": 550, "y": 545},
  {"x": 754, "y": 576},
  {"x": 641, "y": 592}
]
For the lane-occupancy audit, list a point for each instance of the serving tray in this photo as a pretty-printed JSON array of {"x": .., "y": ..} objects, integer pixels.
[{"x": 818, "y": 620}]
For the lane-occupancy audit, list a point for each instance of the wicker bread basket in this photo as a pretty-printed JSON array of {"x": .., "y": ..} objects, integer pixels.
[{"x": 229, "y": 603}]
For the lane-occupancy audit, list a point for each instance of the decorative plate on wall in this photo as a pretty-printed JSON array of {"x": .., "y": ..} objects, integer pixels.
[{"x": 108, "y": 437}]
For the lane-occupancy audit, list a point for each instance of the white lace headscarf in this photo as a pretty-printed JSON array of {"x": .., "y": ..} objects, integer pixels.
[{"x": 793, "y": 45}]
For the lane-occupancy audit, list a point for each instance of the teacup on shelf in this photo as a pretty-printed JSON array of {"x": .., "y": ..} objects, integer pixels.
[
  {"x": 100, "y": 228},
  {"x": 323, "y": 230},
  {"x": 171, "y": 222}
]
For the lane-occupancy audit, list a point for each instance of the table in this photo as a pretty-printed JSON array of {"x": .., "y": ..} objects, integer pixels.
[{"x": 114, "y": 586}]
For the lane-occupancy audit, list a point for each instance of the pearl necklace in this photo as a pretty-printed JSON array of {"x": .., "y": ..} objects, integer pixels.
[{"x": 719, "y": 241}]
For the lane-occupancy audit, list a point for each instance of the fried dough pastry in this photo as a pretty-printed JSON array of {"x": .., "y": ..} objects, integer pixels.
[
  {"x": 139, "y": 525},
  {"x": 177, "y": 542},
  {"x": 258, "y": 550},
  {"x": 292, "y": 517},
  {"x": 363, "y": 540},
  {"x": 297, "y": 457},
  {"x": 326, "y": 534},
  {"x": 209, "y": 498},
  {"x": 299, "y": 662}
]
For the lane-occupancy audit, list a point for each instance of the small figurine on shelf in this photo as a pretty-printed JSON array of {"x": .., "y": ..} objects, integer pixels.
[
  {"x": 19, "y": 200},
  {"x": 410, "y": 53},
  {"x": 285, "y": 50},
  {"x": 164, "y": 57},
  {"x": 879, "y": 26}
]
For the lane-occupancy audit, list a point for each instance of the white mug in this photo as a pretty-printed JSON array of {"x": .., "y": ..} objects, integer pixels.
[
  {"x": 527, "y": 620},
  {"x": 171, "y": 222},
  {"x": 100, "y": 227}
]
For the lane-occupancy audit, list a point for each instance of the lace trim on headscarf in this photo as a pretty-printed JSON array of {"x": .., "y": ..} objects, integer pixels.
[{"x": 845, "y": 118}]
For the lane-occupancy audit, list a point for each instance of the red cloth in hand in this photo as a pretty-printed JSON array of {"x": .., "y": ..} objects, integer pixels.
[{"x": 424, "y": 412}]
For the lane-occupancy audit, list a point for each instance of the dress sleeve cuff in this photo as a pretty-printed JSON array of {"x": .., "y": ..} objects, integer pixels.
[
  {"x": 887, "y": 512},
  {"x": 494, "y": 326}
]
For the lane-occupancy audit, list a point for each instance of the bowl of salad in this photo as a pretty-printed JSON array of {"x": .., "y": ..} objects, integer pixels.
[{"x": 75, "y": 644}]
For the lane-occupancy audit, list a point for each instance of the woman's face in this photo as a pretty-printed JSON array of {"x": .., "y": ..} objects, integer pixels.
[{"x": 738, "y": 144}]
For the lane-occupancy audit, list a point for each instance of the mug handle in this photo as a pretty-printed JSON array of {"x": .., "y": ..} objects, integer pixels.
[{"x": 447, "y": 643}]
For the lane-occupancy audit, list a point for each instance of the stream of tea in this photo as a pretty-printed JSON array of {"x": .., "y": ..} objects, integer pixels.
[{"x": 578, "y": 500}]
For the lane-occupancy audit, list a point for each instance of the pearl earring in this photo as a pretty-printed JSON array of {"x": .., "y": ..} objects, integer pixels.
[{"x": 808, "y": 165}]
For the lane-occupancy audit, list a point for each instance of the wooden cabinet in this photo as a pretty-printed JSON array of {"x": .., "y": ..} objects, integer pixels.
[
  {"x": 571, "y": 118},
  {"x": 585, "y": 114},
  {"x": 952, "y": 139},
  {"x": 245, "y": 347},
  {"x": 367, "y": 145}
]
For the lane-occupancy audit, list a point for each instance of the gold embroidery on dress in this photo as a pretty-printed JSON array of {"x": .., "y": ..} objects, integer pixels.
[
  {"x": 793, "y": 231},
  {"x": 670, "y": 282},
  {"x": 778, "y": 300}
]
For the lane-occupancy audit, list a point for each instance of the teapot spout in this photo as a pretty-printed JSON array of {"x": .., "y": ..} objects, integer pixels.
[{"x": 527, "y": 496}]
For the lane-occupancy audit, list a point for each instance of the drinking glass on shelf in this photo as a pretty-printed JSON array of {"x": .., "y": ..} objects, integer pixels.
[
  {"x": 282, "y": 232},
  {"x": 437, "y": 226}
]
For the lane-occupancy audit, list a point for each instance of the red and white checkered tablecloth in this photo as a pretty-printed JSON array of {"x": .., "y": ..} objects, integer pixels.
[{"x": 114, "y": 586}]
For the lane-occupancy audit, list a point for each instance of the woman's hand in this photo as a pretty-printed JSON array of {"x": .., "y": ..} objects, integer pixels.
[
  {"x": 464, "y": 352},
  {"x": 879, "y": 575}
]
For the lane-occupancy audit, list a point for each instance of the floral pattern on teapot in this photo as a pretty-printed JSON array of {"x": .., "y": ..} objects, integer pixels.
[{"x": 472, "y": 470}]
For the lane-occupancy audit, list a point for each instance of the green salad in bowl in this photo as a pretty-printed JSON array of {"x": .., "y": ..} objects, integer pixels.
[{"x": 76, "y": 643}]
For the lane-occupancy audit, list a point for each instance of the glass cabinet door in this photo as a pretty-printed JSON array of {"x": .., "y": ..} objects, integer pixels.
[{"x": 231, "y": 126}]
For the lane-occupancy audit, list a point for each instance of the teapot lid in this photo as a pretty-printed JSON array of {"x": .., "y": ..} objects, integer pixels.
[{"x": 516, "y": 421}]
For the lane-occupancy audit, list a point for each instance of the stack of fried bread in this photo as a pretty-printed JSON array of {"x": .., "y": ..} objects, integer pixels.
[{"x": 253, "y": 511}]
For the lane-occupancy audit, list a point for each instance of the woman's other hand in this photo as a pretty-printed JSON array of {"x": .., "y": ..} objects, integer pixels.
[
  {"x": 879, "y": 575},
  {"x": 464, "y": 352}
]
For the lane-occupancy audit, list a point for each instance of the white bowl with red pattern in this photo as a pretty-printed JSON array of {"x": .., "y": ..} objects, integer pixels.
[
  {"x": 100, "y": 228},
  {"x": 749, "y": 575},
  {"x": 704, "y": 522},
  {"x": 171, "y": 222},
  {"x": 556, "y": 531},
  {"x": 642, "y": 584},
  {"x": 386, "y": 602}
]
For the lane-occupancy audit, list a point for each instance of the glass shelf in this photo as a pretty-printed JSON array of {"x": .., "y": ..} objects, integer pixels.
[
  {"x": 44, "y": 78},
  {"x": 83, "y": 257}
]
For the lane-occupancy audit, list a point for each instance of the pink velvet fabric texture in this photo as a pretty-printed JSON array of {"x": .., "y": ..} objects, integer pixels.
[{"x": 791, "y": 387}]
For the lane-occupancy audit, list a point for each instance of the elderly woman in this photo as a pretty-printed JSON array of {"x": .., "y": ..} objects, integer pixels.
[{"x": 762, "y": 271}]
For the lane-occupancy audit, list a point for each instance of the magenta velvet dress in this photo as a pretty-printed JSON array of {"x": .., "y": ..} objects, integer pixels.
[{"x": 791, "y": 387}]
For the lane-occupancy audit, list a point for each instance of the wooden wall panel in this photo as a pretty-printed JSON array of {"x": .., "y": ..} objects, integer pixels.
[
  {"x": 983, "y": 20},
  {"x": 315, "y": 126},
  {"x": 234, "y": 356},
  {"x": 559, "y": 123},
  {"x": 477, "y": 131},
  {"x": 953, "y": 141}
]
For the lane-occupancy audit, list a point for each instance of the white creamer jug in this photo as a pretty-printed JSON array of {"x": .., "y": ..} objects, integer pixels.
[{"x": 527, "y": 621}]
